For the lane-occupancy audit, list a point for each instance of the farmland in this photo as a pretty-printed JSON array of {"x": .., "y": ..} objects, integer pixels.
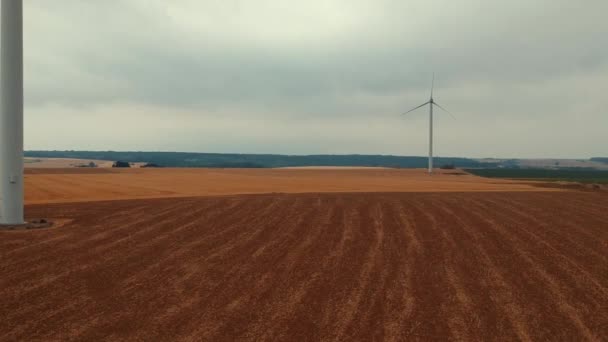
[
  {"x": 76, "y": 184},
  {"x": 567, "y": 175},
  {"x": 304, "y": 255}
]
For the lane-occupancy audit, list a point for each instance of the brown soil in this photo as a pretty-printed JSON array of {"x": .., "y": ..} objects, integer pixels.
[
  {"x": 30, "y": 224},
  {"x": 296, "y": 267},
  {"x": 73, "y": 185}
]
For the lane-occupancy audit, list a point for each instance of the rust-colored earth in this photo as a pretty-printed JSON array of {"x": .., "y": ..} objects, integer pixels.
[{"x": 445, "y": 264}]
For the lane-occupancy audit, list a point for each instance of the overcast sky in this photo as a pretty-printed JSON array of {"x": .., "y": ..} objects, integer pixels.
[{"x": 523, "y": 78}]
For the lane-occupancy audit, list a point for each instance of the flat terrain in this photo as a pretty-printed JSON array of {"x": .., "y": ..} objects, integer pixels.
[
  {"x": 73, "y": 185},
  {"x": 596, "y": 177},
  {"x": 418, "y": 258},
  {"x": 563, "y": 163},
  {"x": 63, "y": 163},
  {"x": 392, "y": 266},
  {"x": 551, "y": 163}
]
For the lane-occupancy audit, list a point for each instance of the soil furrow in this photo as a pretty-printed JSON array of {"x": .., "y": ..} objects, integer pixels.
[{"x": 312, "y": 267}]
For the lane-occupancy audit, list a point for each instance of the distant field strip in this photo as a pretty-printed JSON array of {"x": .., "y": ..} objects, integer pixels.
[
  {"x": 82, "y": 184},
  {"x": 572, "y": 175},
  {"x": 385, "y": 266}
]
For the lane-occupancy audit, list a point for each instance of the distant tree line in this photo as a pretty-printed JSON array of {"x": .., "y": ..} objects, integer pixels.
[
  {"x": 233, "y": 160},
  {"x": 601, "y": 160},
  {"x": 121, "y": 163}
]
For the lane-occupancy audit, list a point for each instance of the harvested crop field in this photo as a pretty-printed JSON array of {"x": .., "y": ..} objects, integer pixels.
[
  {"x": 295, "y": 267},
  {"x": 95, "y": 184}
]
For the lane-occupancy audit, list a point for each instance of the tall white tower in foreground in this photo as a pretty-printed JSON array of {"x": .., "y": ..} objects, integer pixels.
[{"x": 11, "y": 112}]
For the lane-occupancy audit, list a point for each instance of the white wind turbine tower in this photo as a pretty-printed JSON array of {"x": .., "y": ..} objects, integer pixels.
[
  {"x": 431, "y": 103},
  {"x": 11, "y": 112}
]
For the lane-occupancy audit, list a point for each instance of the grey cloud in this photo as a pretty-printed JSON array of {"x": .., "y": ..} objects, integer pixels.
[{"x": 321, "y": 61}]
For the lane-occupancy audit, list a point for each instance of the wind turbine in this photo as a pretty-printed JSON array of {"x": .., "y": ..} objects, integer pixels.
[
  {"x": 11, "y": 112},
  {"x": 431, "y": 103}
]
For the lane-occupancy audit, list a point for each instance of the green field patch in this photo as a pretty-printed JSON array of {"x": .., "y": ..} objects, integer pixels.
[{"x": 568, "y": 175}]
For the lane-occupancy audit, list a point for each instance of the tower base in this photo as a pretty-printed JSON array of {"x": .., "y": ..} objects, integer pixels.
[{"x": 33, "y": 224}]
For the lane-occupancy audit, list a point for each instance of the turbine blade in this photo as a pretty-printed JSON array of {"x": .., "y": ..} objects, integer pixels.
[
  {"x": 432, "y": 84},
  {"x": 413, "y": 109},
  {"x": 445, "y": 110}
]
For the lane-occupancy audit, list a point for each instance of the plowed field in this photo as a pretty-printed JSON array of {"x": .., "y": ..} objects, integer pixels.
[{"x": 296, "y": 267}]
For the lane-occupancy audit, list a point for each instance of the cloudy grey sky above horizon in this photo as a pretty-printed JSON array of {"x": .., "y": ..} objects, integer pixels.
[{"x": 523, "y": 78}]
